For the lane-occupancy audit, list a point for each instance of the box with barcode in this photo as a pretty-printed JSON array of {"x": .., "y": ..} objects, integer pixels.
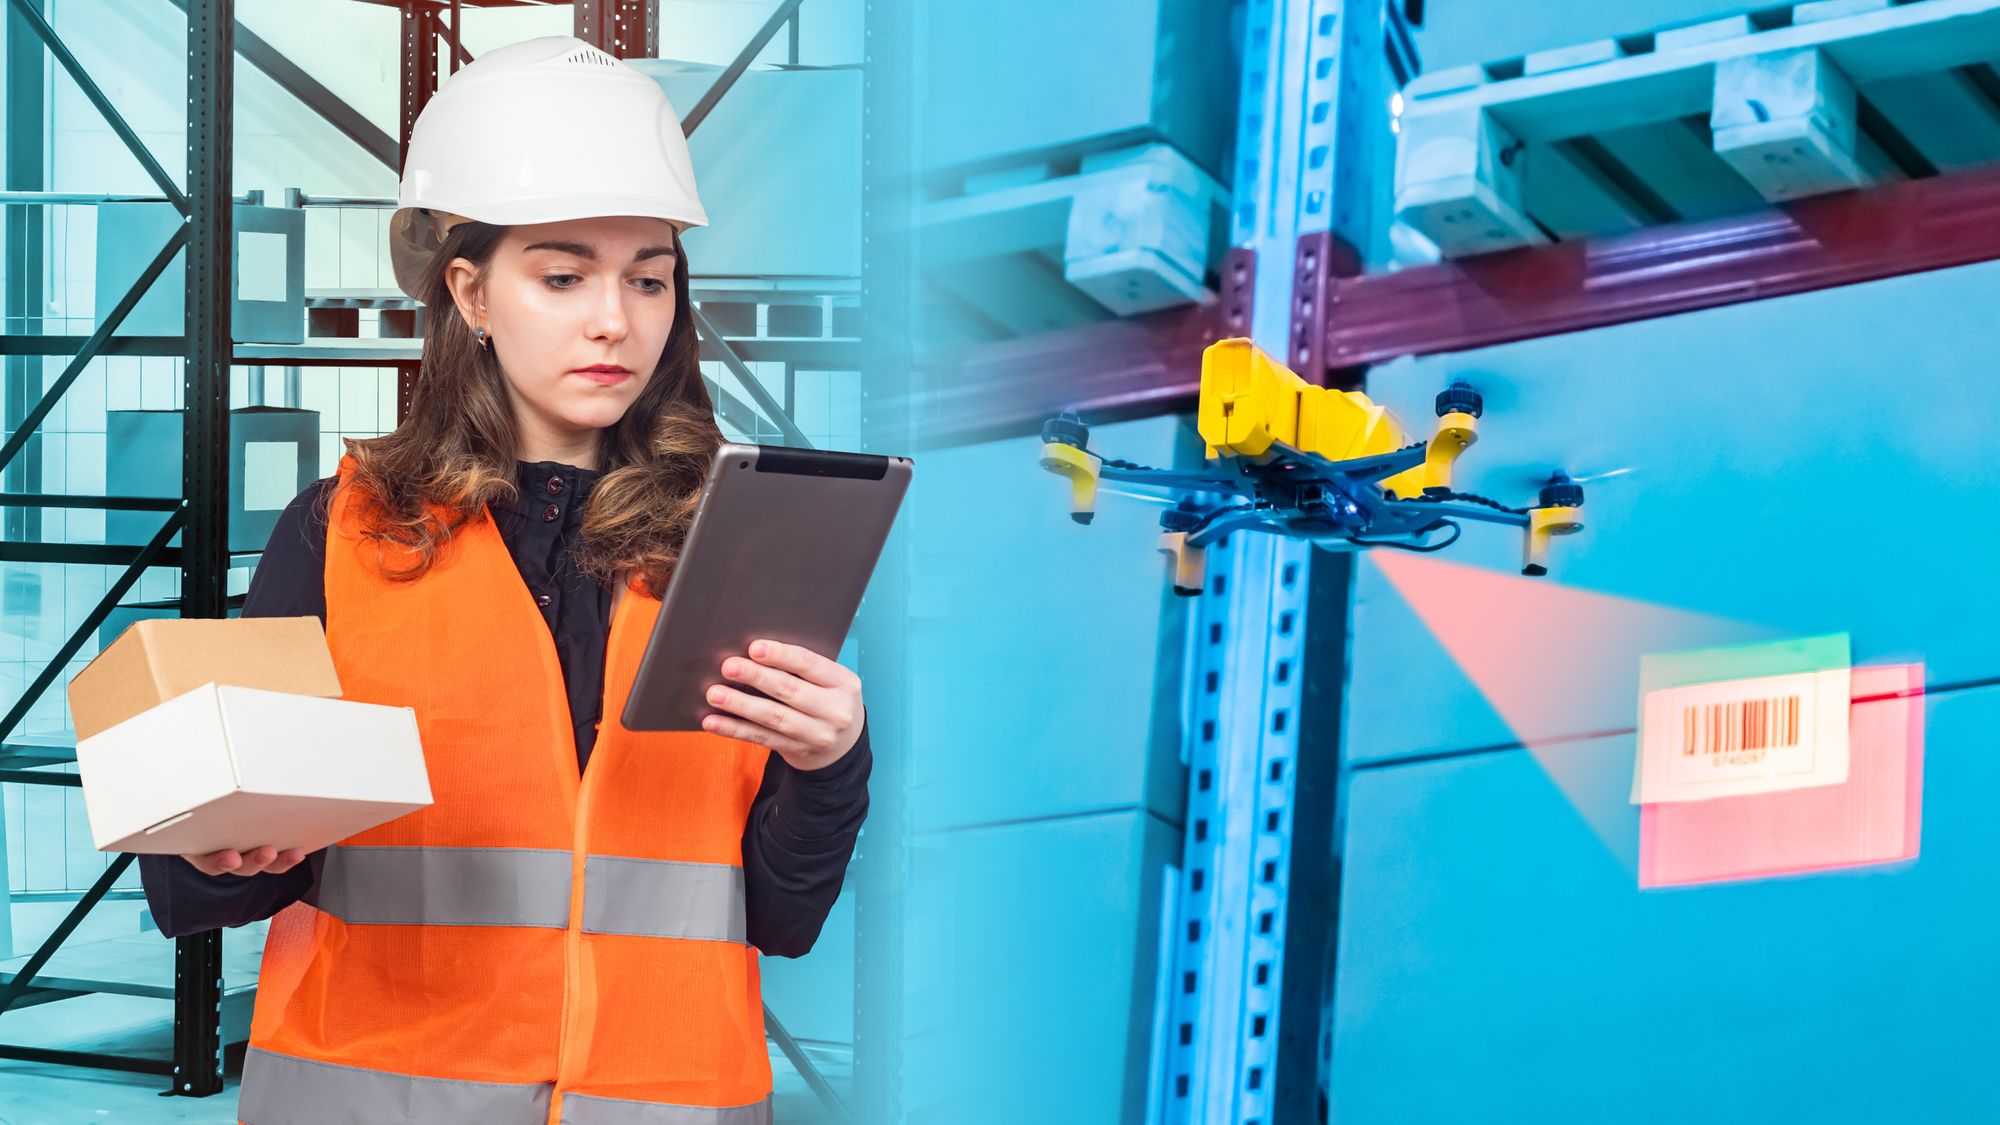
[
  {"x": 1875, "y": 816},
  {"x": 273, "y": 455},
  {"x": 1732, "y": 734}
]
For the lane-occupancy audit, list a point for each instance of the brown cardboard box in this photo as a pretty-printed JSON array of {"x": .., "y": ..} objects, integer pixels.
[
  {"x": 158, "y": 659},
  {"x": 199, "y": 735}
]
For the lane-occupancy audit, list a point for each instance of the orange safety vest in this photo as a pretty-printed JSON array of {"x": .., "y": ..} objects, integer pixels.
[{"x": 534, "y": 948}]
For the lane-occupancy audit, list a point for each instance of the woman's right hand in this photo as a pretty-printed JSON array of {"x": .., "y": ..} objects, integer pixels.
[{"x": 266, "y": 860}]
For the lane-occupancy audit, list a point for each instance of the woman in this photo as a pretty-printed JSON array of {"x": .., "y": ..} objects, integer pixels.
[{"x": 570, "y": 931}]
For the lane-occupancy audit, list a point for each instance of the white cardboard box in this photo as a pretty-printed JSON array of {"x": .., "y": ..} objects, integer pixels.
[{"x": 234, "y": 767}]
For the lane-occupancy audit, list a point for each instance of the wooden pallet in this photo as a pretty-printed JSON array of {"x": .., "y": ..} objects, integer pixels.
[
  {"x": 1699, "y": 121},
  {"x": 1041, "y": 247}
]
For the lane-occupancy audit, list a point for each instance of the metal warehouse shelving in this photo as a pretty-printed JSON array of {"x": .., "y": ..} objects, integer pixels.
[
  {"x": 1588, "y": 249},
  {"x": 1653, "y": 197},
  {"x": 196, "y": 1065},
  {"x": 203, "y": 978},
  {"x": 1698, "y": 121}
]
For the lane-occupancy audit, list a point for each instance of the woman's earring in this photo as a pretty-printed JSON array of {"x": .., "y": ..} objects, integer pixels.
[{"x": 480, "y": 335}]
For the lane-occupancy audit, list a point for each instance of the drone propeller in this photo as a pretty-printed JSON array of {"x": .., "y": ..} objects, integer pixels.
[
  {"x": 1507, "y": 398},
  {"x": 1520, "y": 479},
  {"x": 1148, "y": 497},
  {"x": 1588, "y": 477},
  {"x": 1531, "y": 479}
]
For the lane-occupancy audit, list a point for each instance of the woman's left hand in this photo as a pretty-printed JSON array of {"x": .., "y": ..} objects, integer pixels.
[{"x": 814, "y": 715}]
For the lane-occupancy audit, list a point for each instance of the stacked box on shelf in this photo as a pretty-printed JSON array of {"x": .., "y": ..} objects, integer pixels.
[
  {"x": 1695, "y": 121},
  {"x": 1045, "y": 817},
  {"x": 267, "y": 269},
  {"x": 1091, "y": 185},
  {"x": 274, "y": 453}
]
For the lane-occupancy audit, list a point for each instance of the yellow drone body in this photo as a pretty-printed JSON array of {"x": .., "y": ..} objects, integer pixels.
[
  {"x": 1249, "y": 401},
  {"x": 1321, "y": 464}
]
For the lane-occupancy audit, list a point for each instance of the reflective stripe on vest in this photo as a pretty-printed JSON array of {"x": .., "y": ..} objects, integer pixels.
[
  {"x": 437, "y": 886},
  {"x": 446, "y": 886},
  {"x": 285, "y": 1090},
  {"x": 660, "y": 898},
  {"x": 583, "y": 1109}
]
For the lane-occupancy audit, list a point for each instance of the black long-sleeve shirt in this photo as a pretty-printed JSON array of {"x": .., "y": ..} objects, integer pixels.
[{"x": 802, "y": 825}]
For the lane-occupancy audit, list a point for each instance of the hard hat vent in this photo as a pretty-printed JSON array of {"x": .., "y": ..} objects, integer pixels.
[{"x": 590, "y": 56}]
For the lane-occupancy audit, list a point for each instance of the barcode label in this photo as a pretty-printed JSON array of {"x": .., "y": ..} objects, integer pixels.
[
  {"x": 1760, "y": 734},
  {"x": 1740, "y": 725}
]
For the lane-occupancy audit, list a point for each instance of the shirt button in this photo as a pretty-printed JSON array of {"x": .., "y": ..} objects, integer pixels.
[
  {"x": 542, "y": 599},
  {"x": 555, "y": 485},
  {"x": 551, "y": 512}
]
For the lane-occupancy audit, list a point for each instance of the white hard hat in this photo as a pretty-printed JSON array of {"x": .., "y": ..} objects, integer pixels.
[{"x": 535, "y": 132}]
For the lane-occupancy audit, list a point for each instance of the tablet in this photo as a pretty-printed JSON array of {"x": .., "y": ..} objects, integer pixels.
[{"x": 782, "y": 547}]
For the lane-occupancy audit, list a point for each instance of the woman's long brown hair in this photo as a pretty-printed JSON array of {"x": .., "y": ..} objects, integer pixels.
[{"x": 455, "y": 451}]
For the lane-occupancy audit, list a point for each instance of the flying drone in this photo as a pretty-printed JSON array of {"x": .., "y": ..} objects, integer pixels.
[{"x": 1324, "y": 465}]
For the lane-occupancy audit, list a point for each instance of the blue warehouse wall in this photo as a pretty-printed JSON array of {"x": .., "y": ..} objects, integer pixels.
[
  {"x": 1047, "y": 792},
  {"x": 1819, "y": 463}
]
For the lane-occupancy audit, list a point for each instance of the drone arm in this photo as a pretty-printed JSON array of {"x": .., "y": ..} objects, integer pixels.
[
  {"x": 1542, "y": 524},
  {"x": 1186, "y": 563},
  {"x": 1450, "y": 510},
  {"x": 1082, "y": 468},
  {"x": 1375, "y": 466},
  {"x": 1224, "y": 524},
  {"x": 1171, "y": 478},
  {"x": 1456, "y": 431}
]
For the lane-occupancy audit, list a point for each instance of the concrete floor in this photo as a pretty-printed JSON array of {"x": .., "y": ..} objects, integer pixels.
[{"x": 39, "y": 1094}]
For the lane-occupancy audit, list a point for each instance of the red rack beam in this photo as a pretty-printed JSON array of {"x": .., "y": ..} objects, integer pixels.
[
  {"x": 1816, "y": 243},
  {"x": 1113, "y": 371},
  {"x": 1151, "y": 365},
  {"x": 1116, "y": 370}
]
